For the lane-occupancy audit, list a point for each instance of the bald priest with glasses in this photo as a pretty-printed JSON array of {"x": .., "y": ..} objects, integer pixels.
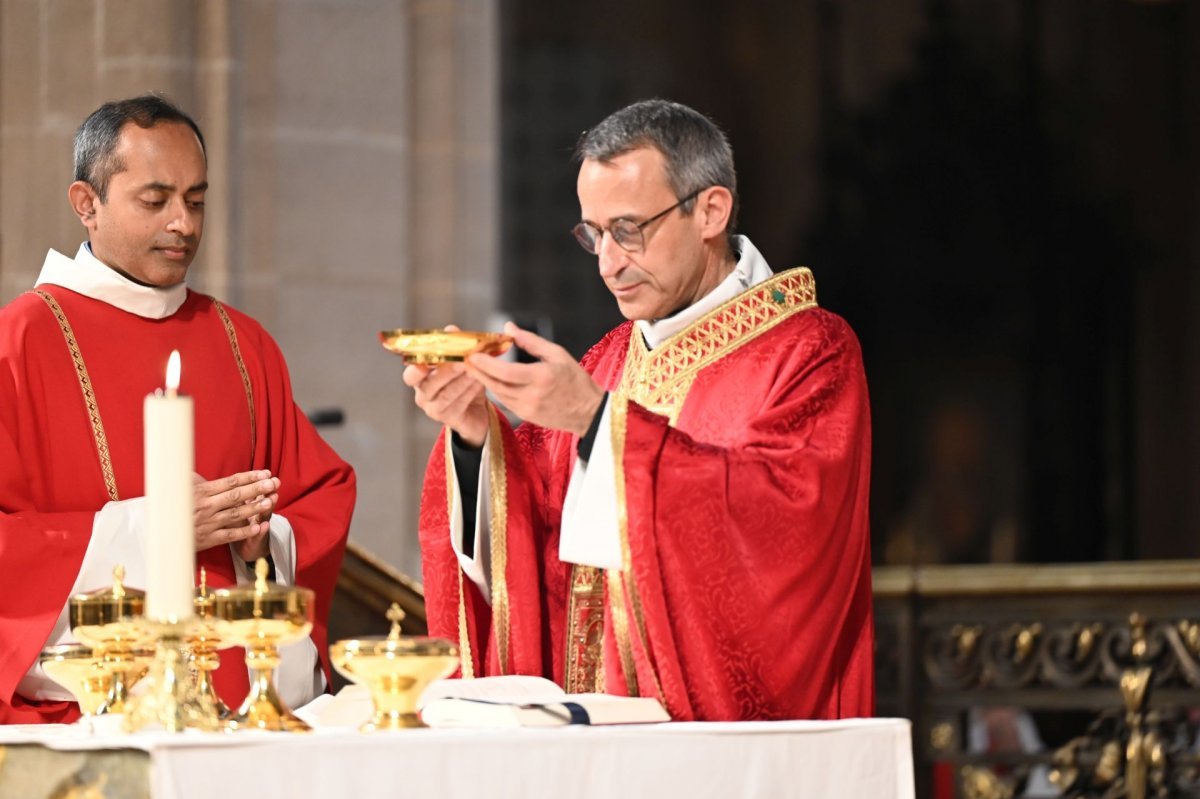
[{"x": 683, "y": 514}]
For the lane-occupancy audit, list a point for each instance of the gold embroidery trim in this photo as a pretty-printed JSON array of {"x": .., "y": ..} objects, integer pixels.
[
  {"x": 616, "y": 580},
  {"x": 584, "y": 670},
  {"x": 616, "y": 598},
  {"x": 464, "y": 633},
  {"x": 499, "y": 537},
  {"x": 237, "y": 356},
  {"x": 659, "y": 380},
  {"x": 89, "y": 395}
]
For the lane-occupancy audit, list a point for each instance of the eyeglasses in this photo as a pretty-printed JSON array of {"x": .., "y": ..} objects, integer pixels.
[{"x": 627, "y": 234}]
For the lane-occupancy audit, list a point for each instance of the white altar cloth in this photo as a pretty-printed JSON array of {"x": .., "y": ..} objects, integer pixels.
[{"x": 848, "y": 759}]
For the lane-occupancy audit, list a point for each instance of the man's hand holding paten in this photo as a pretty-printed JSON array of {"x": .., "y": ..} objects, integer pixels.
[
  {"x": 448, "y": 394},
  {"x": 554, "y": 392},
  {"x": 236, "y": 510}
]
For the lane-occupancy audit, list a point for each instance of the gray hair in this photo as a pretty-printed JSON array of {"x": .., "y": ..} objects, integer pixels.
[
  {"x": 696, "y": 151},
  {"x": 96, "y": 140}
]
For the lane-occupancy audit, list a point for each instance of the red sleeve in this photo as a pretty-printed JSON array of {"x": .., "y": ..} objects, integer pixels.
[
  {"x": 40, "y": 553},
  {"x": 751, "y": 592}
]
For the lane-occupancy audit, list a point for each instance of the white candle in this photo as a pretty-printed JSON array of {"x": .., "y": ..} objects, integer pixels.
[{"x": 170, "y": 462}]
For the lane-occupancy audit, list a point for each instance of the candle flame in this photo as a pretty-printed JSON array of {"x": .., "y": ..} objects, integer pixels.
[{"x": 173, "y": 369}]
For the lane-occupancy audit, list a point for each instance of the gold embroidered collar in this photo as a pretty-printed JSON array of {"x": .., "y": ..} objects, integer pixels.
[{"x": 659, "y": 379}]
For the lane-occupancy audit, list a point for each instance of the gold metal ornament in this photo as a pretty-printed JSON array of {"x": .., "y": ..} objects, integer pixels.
[
  {"x": 204, "y": 640},
  {"x": 169, "y": 698},
  {"x": 108, "y": 621},
  {"x": 261, "y": 618},
  {"x": 76, "y": 668},
  {"x": 396, "y": 669},
  {"x": 433, "y": 347}
]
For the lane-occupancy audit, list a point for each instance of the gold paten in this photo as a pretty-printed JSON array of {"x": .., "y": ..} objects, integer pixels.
[
  {"x": 74, "y": 667},
  {"x": 108, "y": 621},
  {"x": 261, "y": 618},
  {"x": 432, "y": 347},
  {"x": 396, "y": 669}
]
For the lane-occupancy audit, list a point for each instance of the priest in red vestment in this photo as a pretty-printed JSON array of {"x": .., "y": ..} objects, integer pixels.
[
  {"x": 684, "y": 514},
  {"x": 79, "y": 353}
]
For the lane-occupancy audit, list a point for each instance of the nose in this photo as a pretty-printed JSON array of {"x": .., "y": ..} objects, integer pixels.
[
  {"x": 183, "y": 221},
  {"x": 611, "y": 255}
]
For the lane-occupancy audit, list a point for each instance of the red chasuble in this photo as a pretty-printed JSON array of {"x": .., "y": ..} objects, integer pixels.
[
  {"x": 54, "y": 477},
  {"x": 742, "y": 449}
]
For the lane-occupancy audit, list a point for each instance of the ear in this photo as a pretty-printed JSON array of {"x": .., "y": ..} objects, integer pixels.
[
  {"x": 83, "y": 199},
  {"x": 713, "y": 208}
]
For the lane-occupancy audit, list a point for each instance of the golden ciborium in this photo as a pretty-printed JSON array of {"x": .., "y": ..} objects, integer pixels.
[
  {"x": 108, "y": 621},
  {"x": 261, "y": 618},
  {"x": 76, "y": 668},
  {"x": 396, "y": 669}
]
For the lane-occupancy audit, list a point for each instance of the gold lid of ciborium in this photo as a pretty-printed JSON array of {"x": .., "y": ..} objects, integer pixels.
[
  {"x": 396, "y": 669},
  {"x": 282, "y": 612},
  {"x": 109, "y": 616}
]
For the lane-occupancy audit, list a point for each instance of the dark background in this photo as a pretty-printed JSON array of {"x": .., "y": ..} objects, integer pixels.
[{"x": 999, "y": 195}]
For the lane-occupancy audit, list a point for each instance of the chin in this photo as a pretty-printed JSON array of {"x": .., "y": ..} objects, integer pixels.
[{"x": 166, "y": 278}]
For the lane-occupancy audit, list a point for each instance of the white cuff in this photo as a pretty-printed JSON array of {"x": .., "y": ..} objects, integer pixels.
[
  {"x": 282, "y": 542},
  {"x": 590, "y": 533}
]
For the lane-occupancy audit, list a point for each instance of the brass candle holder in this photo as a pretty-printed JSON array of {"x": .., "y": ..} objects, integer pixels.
[
  {"x": 107, "y": 621},
  {"x": 76, "y": 668},
  {"x": 261, "y": 618},
  {"x": 169, "y": 698},
  {"x": 396, "y": 669},
  {"x": 204, "y": 640}
]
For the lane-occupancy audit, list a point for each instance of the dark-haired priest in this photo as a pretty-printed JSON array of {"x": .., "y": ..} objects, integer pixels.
[
  {"x": 79, "y": 353},
  {"x": 683, "y": 514}
]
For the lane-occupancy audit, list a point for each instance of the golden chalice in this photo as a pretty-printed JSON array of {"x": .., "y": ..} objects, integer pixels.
[
  {"x": 396, "y": 669},
  {"x": 74, "y": 667},
  {"x": 261, "y": 618},
  {"x": 108, "y": 621}
]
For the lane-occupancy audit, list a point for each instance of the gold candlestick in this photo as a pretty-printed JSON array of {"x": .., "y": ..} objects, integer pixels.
[
  {"x": 204, "y": 642},
  {"x": 396, "y": 669},
  {"x": 260, "y": 618},
  {"x": 168, "y": 698}
]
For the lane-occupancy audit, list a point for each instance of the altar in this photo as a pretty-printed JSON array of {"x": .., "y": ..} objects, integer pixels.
[{"x": 847, "y": 759}]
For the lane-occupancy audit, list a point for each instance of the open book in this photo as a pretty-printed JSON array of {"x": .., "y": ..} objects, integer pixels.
[{"x": 522, "y": 701}]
